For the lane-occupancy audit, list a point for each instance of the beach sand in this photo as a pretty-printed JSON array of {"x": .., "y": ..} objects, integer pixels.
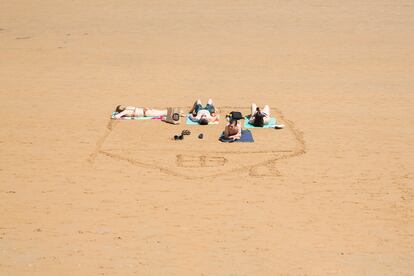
[{"x": 330, "y": 194}]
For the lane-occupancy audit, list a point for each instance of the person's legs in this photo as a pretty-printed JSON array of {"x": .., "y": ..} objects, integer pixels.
[
  {"x": 155, "y": 112},
  {"x": 266, "y": 110},
  {"x": 210, "y": 106},
  {"x": 252, "y": 112},
  {"x": 253, "y": 109},
  {"x": 196, "y": 107}
]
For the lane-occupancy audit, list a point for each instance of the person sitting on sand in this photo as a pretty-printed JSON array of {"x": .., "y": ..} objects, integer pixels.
[
  {"x": 232, "y": 130},
  {"x": 132, "y": 111},
  {"x": 259, "y": 117},
  {"x": 203, "y": 115}
]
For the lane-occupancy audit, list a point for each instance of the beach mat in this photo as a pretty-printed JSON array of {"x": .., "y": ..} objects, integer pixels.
[
  {"x": 246, "y": 137},
  {"x": 272, "y": 123},
  {"x": 191, "y": 123},
  {"x": 136, "y": 118}
]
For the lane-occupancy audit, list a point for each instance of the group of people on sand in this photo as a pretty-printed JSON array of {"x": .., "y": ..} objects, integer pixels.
[{"x": 203, "y": 115}]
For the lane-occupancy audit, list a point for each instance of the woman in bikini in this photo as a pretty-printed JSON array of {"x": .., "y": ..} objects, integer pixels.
[
  {"x": 232, "y": 130},
  {"x": 132, "y": 111}
]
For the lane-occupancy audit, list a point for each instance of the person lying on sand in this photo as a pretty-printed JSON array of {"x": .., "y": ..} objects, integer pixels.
[
  {"x": 132, "y": 111},
  {"x": 259, "y": 117},
  {"x": 203, "y": 115},
  {"x": 233, "y": 130}
]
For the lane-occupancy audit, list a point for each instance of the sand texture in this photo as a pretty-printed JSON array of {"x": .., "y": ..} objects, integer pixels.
[{"x": 330, "y": 194}]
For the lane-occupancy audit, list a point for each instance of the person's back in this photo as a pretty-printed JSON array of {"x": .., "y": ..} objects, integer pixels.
[
  {"x": 233, "y": 130},
  {"x": 259, "y": 117},
  {"x": 258, "y": 120}
]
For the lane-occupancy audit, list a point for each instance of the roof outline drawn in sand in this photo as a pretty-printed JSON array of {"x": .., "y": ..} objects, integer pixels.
[{"x": 269, "y": 164}]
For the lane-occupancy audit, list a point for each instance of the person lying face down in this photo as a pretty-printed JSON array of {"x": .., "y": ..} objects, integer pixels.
[
  {"x": 232, "y": 130},
  {"x": 203, "y": 115},
  {"x": 132, "y": 111},
  {"x": 259, "y": 117}
]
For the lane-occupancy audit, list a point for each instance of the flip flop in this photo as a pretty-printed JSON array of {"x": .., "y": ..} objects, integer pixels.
[{"x": 185, "y": 132}]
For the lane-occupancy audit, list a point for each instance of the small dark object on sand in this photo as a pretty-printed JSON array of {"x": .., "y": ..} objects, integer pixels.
[
  {"x": 178, "y": 137},
  {"x": 200, "y": 136}
]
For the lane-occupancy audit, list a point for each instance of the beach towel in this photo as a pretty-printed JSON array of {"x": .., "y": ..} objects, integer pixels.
[
  {"x": 135, "y": 118},
  {"x": 246, "y": 137},
  {"x": 189, "y": 122},
  {"x": 272, "y": 123}
]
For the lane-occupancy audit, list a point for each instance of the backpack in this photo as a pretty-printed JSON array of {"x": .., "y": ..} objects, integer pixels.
[
  {"x": 236, "y": 115},
  {"x": 258, "y": 119}
]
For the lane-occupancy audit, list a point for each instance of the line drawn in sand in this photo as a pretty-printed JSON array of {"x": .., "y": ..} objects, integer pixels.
[
  {"x": 261, "y": 169},
  {"x": 191, "y": 161}
]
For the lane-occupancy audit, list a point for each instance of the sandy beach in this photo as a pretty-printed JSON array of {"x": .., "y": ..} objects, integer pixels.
[{"x": 330, "y": 194}]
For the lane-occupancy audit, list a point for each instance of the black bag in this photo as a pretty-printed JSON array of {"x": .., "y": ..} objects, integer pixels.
[
  {"x": 258, "y": 119},
  {"x": 236, "y": 115}
]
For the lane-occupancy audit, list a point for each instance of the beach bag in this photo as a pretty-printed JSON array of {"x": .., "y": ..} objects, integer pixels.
[
  {"x": 258, "y": 119},
  {"x": 173, "y": 116},
  {"x": 236, "y": 115}
]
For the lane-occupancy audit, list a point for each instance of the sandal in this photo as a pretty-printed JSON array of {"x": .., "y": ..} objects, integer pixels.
[
  {"x": 178, "y": 137},
  {"x": 185, "y": 132}
]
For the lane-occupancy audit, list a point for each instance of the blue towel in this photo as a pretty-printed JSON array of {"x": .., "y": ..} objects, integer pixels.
[
  {"x": 271, "y": 124},
  {"x": 189, "y": 122},
  {"x": 246, "y": 137}
]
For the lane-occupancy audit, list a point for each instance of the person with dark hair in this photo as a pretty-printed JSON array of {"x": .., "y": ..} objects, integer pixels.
[
  {"x": 203, "y": 120},
  {"x": 259, "y": 117},
  {"x": 132, "y": 111},
  {"x": 232, "y": 130},
  {"x": 203, "y": 115}
]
